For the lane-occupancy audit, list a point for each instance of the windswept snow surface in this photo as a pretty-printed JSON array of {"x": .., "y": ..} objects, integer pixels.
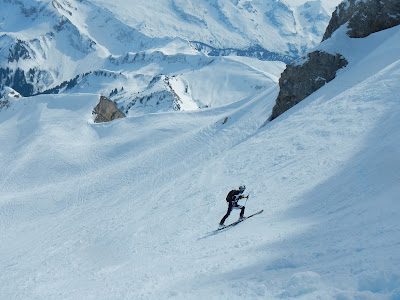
[{"x": 121, "y": 210}]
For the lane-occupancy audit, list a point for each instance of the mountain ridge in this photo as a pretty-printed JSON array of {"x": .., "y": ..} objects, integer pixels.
[{"x": 57, "y": 42}]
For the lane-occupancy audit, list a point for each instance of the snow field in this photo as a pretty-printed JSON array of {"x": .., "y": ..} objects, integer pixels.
[{"x": 122, "y": 210}]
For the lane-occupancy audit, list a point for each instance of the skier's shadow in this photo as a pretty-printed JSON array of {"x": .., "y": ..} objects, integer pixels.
[
  {"x": 212, "y": 233},
  {"x": 207, "y": 236}
]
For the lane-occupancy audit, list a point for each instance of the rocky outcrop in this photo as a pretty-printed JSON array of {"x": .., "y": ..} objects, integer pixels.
[
  {"x": 6, "y": 96},
  {"x": 301, "y": 78},
  {"x": 106, "y": 111},
  {"x": 304, "y": 76},
  {"x": 364, "y": 17}
]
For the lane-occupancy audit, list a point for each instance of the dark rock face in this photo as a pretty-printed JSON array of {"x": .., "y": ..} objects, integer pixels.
[
  {"x": 374, "y": 16},
  {"x": 341, "y": 15},
  {"x": 300, "y": 80},
  {"x": 21, "y": 85},
  {"x": 364, "y": 18},
  {"x": 106, "y": 111},
  {"x": 18, "y": 51}
]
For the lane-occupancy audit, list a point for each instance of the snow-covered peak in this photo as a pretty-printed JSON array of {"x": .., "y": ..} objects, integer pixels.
[{"x": 106, "y": 47}]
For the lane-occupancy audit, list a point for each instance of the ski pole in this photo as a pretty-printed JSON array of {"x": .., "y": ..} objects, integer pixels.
[{"x": 246, "y": 200}]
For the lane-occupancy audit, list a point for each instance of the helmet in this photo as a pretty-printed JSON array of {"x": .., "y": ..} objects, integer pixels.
[{"x": 242, "y": 188}]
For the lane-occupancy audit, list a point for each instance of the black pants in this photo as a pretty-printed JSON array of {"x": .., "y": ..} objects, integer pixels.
[{"x": 230, "y": 207}]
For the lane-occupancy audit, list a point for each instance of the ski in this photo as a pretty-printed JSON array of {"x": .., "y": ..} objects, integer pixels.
[{"x": 237, "y": 222}]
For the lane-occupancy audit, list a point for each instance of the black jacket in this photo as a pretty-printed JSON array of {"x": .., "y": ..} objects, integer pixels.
[{"x": 234, "y": 196}]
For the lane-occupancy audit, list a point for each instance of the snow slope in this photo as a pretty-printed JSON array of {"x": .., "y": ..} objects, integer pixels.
[{"x": 121, "y": 210}]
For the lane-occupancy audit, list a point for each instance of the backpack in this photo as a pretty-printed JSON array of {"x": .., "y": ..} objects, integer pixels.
[{"x": 231, "y": 195}]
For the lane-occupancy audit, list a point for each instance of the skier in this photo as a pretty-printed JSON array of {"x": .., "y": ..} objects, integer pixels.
[{"x": 232, "y": 198}]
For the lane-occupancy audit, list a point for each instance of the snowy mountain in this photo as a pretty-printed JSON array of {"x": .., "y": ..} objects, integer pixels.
[
  {"x": 285, "y": 27},
  {"x": 121, "y": 210},
  {"x": 137, "y": 54}
]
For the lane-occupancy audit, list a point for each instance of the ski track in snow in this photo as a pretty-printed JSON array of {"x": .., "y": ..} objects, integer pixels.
[{"x": 121, "y": 210}]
